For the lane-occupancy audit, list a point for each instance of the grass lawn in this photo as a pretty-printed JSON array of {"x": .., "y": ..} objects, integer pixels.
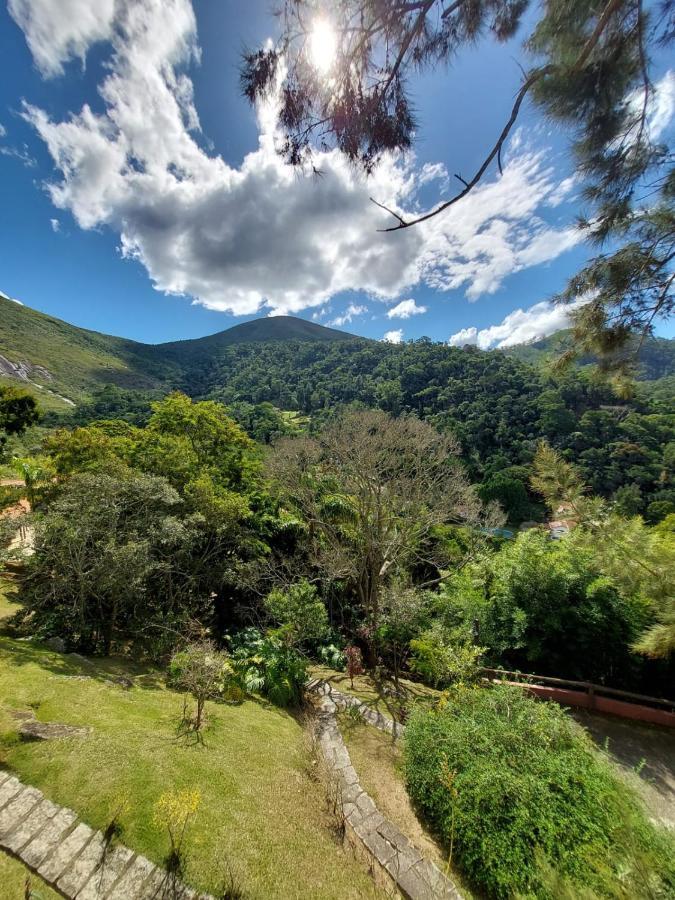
[
  {"x": 373, "y": 692},
  {"x": 13, "y": 876},
  {"x": 261, "y": 811}
]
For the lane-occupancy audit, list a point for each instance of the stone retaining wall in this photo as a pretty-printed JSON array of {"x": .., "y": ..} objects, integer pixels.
[
  {"x": 73, "y": 858},
  {"x": 396, "y": 862}
]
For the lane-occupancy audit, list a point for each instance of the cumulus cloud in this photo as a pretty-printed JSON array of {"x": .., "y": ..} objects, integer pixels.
[
  {"x": 352, "y": 310},
  {"x": 3, "y": 130},
  {"x": 57, "y": 32},
  {"x": 393, "y": 337},
  {"x": 405, "y": 309},
  {"x": 56, "y": 225},
  {"x": 519, "y": 327},
  {"x": 257, "y": 236}
]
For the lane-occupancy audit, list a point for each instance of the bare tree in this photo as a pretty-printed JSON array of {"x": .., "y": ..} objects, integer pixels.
[{"x": 373, "y": 490}]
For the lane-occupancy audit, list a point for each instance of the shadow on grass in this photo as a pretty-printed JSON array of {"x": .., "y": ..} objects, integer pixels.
[{"x": 113, "y": 670}]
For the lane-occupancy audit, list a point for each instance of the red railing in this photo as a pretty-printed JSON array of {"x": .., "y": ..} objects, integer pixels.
[{"x": 596, "y": 697}]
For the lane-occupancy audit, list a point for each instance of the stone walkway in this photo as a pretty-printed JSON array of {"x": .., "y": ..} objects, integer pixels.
[
  {"x": 367, "y": 713},
  {"x": 397, "y": 862},
  {"x": 73, "y": 858}
]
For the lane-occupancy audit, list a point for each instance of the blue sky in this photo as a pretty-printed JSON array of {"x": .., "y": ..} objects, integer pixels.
[{"x": 142, "y": 195}]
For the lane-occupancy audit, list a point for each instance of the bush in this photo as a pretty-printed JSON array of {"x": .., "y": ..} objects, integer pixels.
[
  {"x": 299, "y": 611},
  {"x": 331, "y": 655},
  {"x": 516, "y": 788},
  {"x": 268, "y": 666},
  {"x": 441, "y": 661}
]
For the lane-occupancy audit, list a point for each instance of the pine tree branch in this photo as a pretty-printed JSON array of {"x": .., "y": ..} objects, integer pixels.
[
  {"x": 536, "y": 76},
  {"x": 602, "y": 23}
]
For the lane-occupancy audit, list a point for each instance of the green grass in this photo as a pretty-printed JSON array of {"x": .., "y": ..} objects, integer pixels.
[
  {"x": 376, "y": 694},
  {"x": 13, "y": 876},
  {"x": 260, "y": 810},
  {"x": 47, "y": 402}
]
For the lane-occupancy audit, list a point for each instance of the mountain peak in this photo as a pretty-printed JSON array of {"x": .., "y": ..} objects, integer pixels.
[{"x": 272, "y": 328}]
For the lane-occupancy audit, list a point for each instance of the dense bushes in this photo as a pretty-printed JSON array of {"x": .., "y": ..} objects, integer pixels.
[
  {"x": 514, "y": 787},
  {"x": 547, "y": 607},
  {"x": 268, "y": 666}
]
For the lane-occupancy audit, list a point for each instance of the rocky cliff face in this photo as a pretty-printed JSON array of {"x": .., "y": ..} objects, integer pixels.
[{"x": 24, "y": 371}]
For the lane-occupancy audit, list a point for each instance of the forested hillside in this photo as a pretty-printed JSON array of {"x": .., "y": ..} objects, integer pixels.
[{"x": 273, "y": 373}]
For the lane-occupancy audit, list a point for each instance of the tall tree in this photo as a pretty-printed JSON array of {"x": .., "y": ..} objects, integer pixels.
[
  {"x": 588, "y": 65},
  {"x": 372, "y": 490}
]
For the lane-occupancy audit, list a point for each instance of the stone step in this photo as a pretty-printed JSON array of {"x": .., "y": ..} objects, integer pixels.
[
  {"x": 30, "y": 827},
  {"x": 64, "y": 854},
  {"x": 74, "y": 858},
  {"x": 14, "y": 812},
  {"x": 102, "y": 879},
  {"x": 39, "y": 848},
  {"x": 79, "y": 872}
]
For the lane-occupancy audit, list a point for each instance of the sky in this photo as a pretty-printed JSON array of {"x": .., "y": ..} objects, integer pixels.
[{"x": 142, "y": 196}]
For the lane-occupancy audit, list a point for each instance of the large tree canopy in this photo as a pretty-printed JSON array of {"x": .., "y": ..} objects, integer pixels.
[{"x": 587, "y": 64}]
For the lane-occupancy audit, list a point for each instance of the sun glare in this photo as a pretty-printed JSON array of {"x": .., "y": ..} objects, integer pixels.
[{"x": 322, "y": 46}]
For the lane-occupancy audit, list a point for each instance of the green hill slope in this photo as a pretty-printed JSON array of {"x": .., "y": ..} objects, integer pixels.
[
  {"x": 63, "y": 364},
  {"x": 656, "y": 355},
  {"x": 54, "y": 358}
]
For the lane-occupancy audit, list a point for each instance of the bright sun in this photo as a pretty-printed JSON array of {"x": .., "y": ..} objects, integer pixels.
[{"x": 322, "y": 45}]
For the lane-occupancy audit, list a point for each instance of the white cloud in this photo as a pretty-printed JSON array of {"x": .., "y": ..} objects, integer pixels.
[
  {"x": 55, "y": 225},
  {"x": 257, "y": 236},
  {"x": 662, "y": 105},
  {"x": 63, "y": 30},
  {"x": 20, "y": 153},
  {"x": 352, "y": 310},
  {"x": 463, "y": 337},
  {"x": 393, "y": 337},
  {"x": 3, "y": 130},
  {"x": 519, "y": 327},
  {"x": 405, "y": 309}
]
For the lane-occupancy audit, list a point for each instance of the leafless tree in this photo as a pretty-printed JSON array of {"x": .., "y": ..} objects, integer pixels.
[{"x": 373, "y": 489}]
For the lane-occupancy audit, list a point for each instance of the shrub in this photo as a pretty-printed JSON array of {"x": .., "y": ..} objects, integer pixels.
[
  {"x": 440, "y": 661},
  {"x": 299, "y": 611},
  {"x": 354, "y": 663},
  {"x": 332, "y": 656},
  {"x": 266, "y": 665},
  {"x": 516, "y": 788}
]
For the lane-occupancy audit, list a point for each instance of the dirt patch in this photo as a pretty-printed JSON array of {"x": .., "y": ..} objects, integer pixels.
[{"x": 377, "y": 760}]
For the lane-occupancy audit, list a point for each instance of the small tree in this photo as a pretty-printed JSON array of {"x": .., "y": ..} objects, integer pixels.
[
  {"x": 174, "y": 811},
  {"x": 403, "y": 614},
  {"x": 202, "y": 670},
  {"x": 354, "y": 663}
]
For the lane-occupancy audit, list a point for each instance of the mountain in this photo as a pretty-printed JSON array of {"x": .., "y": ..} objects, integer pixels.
[
  {"x": 656, "y": 355},
  {"x": 63, "y": 364},
  {"x": 272, "y": 371},
  {"x": 295, "y": 364},
  {"x": 272, "y": 328}
]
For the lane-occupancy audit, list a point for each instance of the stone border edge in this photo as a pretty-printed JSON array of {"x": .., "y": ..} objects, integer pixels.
[{"x": 398, "y": 863}]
